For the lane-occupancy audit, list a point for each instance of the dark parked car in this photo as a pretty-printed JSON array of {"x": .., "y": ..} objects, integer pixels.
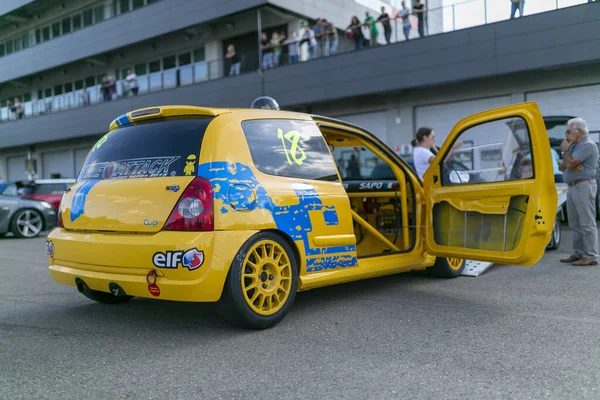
[{"x": 25, "y": 218}]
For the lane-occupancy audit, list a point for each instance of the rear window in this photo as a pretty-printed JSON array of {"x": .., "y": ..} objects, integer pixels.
[
  {"x": 158, "y": 148},
  {"x": 289, "y": 148}
]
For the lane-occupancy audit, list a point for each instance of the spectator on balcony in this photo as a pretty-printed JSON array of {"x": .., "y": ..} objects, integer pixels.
[
  {"x": 234, "y": 59},
  {"x": 384, "y": 18},
  {"x": 333, "y": 38},
  {"x": 105, "y": 89},
  {"x": 318, "y": 30},
  {"x": 371, "y": 23},
  {"x": 132, "y": 82},
  {"x": 405, "y": 15},
  {"x": 516, "y": 5},
  {"x": 355, "y": 33},
  {"x": 292, "y": 44},
  {"x": 267, "y": 58},
  {"x": 18, "y": 108},
  {"x": 420, "y": 10},
  {"x": 276, "y": 40},
  {"x": 85, "y": 97},
  {"x": 309, "y": 35}
]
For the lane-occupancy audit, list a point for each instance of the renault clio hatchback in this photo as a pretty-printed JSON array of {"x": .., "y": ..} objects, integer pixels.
[{"x": 246, "y": 207}]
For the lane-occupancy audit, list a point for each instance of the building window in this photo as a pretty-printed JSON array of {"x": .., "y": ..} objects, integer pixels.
[
  {"x": 88, "y": 17},
  {"x": 124, "y": 6},
  {"x": 25, "y": 39},
  {"x": 141, "y": 69},
  {"x": 2, "y": 49},
  {"x": 66, "y": 25},
  {"x": 9, "y": 46},
  {"x": 185, "y": 59},
  {"x": 45, "y": 33},
  {"x": 138, "y": 4},
  {"x": 76, "y": 22},
  {"x": 99, "y": 13},
  {"x": 79, "y": 84},
  {"x": 55, "y": 30}
]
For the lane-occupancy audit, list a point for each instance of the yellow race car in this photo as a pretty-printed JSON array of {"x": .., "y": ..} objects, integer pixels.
[{"x": 246, "y": 207}]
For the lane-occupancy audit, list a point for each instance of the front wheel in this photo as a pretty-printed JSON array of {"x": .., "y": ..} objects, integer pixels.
[
  {"x": 447, "y": 267},
  {"x": 261, "y": 283}
]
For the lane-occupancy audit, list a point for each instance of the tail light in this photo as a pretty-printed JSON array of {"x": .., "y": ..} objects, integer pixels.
[
  {"x": 59, "y": 220},
  {"x": 194, "y": 210}
]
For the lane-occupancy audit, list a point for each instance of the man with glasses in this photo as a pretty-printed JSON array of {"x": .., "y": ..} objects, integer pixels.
[{"x": 579, "y": 165}]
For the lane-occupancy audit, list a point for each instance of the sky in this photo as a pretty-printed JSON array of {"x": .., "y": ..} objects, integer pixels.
[{"x": 470, "y": 13}]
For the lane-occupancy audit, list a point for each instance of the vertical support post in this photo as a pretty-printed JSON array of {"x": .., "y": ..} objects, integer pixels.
[
  {"x": 485, "y": 11},
  {"x": 260, "y": 70},
  {"x": 453, "y": 22}
]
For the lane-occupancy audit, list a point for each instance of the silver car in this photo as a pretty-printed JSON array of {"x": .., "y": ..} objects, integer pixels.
[{"x": 25, "y": 218}]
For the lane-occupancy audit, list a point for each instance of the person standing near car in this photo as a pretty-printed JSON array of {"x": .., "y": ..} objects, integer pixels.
[
  {"x": 579, "y": 165},
  {"x": 424, "y": 148}
]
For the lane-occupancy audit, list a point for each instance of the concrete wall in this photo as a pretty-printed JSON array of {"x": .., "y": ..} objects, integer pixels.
[{"x": 510, "y": 51}]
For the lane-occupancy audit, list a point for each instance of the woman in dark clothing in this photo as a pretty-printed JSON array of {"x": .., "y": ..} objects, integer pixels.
[{"x": 355, "y": 32}]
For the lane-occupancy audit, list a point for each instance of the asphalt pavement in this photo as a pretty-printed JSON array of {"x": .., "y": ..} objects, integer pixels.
[{"x": 511, "y": 333}]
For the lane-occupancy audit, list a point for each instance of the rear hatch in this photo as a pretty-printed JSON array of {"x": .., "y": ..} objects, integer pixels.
[{"x": 134, "y": 176}]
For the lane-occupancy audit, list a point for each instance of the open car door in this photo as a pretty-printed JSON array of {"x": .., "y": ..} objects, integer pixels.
[{"x": 500, "y": 205}]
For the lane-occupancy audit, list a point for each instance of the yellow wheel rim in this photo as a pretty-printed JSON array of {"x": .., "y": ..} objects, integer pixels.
[
  {"x": 266, "y": 277},
  {"x": 455, "y": 263}
]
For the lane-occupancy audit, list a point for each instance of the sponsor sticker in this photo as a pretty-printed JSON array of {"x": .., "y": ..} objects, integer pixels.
[
  {"x": 191, "y": 259},
  {"x": 50, "y": 248},
  {"x": 154, "y": 290},
  {"x": 151, "y": 167},
  {"x": 190, "y": 165}
]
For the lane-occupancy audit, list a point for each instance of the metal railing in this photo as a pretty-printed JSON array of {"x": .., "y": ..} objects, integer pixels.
[{"x": 441, "y": 20}]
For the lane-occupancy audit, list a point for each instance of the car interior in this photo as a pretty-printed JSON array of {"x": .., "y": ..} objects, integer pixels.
[{"x": 381, "y": 196}]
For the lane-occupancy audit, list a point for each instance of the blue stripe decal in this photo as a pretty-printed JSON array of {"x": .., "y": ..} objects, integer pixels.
[
  {"x": 79, "y": 198},
  {"x": 123, "y": 120},
  {"x": 293, "y": 219}
]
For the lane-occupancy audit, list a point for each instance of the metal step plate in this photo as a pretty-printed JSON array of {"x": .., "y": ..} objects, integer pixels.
[{"x": 476, "y": 268}]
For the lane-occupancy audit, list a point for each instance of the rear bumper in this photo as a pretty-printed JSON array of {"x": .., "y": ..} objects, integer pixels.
[{"x": 100, "y": 259}]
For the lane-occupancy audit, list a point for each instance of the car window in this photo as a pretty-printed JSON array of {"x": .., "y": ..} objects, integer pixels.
[
  {"x": 491, "y": 152},
  {"x": 359, "y": 163},
  {"x": 49, "y": 188},
  {"x": 165, "y": 147},
  {"x": 10, "y": 190},
  {"x": 295, "y": 149}
]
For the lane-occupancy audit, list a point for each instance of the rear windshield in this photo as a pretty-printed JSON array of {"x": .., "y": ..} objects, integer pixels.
[{"x": 165, "y": 147}]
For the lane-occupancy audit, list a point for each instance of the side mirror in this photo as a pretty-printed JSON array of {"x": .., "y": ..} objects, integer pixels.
[{"x": 456, "y": 176}]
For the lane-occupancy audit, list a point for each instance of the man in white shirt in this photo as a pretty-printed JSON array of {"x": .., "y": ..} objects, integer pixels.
[{"x": 132, "y": 81}]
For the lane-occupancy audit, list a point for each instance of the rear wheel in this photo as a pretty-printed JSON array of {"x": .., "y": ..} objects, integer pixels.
[
  {"x": 262, "y": 282},
  {"x": 27, "y": 223},
  {"x": 450, "y": 267}
]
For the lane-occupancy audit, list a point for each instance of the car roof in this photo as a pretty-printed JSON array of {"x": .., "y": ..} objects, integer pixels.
[{"x": 148, "y": 113}]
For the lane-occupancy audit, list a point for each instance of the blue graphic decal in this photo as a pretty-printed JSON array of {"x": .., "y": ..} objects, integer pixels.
[
  {"x": 123, "y": 120},
  {"x": 241, "y": 198},
  {"x": 331, "y": 217},
  {"x": 294, "y": 220},
  {"x": 79, "y": 198}
]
